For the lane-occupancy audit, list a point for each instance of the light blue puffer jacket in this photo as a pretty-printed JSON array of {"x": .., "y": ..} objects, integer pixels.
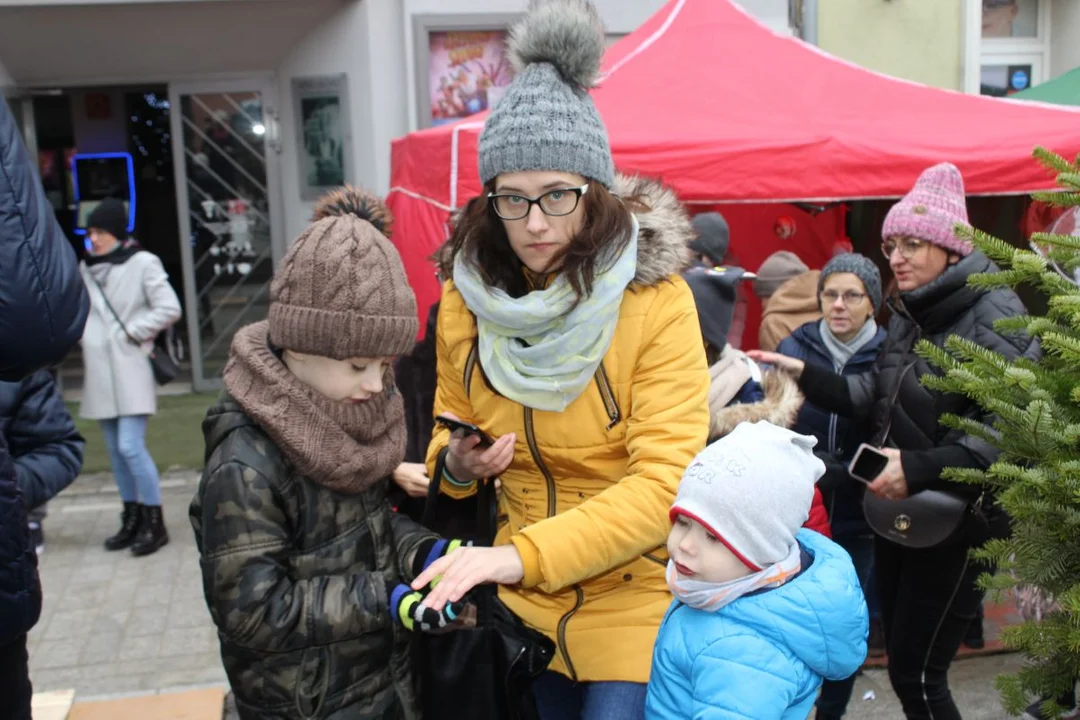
[{"x": 763, "y": 656}]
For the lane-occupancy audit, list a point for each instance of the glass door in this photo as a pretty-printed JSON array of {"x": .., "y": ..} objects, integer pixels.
[{"x": 227, "y": 185}]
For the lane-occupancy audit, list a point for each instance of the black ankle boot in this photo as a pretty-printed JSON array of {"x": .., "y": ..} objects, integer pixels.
[
  {"x": 129, "y": 528},
  {"x": 152, "y": 535}
]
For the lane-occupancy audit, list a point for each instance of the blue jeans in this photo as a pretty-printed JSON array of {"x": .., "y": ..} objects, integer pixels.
[
  {"x": 836, "y": 694},
  {"x": 136, "y": 474},
  {"x": 559, "y": 698}
]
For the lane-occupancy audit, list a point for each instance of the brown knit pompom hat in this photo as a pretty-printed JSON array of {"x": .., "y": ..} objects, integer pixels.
[{"x": 341, "y": 291}]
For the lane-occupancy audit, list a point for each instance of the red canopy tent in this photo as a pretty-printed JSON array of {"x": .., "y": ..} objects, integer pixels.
[{"x": 724, "y": 110}]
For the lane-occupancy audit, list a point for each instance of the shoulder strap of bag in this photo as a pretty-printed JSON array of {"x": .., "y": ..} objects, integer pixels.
[{"x": 112, "y": 309}]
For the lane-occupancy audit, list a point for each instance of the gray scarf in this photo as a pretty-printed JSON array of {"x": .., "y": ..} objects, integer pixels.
[{"x": 841, "y": 351}]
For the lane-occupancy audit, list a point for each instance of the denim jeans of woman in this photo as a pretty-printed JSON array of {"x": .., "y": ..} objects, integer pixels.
[
  {"x": 928, "y": 599},
  {"x": 135, "y": 472},
  {"x": 836, "y": 694},
  {"x": 559, "y": 698}
]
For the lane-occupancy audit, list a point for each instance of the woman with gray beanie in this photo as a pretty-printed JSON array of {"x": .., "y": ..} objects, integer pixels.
[
  {"x": 845, "y": 341},
  {"x": 567, "y": 335}
]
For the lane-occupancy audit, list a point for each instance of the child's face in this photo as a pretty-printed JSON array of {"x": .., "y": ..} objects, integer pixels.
[
  {"x": 354, "y": 380},
  {"x": 699, "y": 555}
]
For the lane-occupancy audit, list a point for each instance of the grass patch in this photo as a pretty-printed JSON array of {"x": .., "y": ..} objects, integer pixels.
[{"x": 173, "y": 436}]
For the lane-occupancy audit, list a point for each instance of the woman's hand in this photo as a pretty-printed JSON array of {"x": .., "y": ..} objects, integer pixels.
[
  {"x": 412, "y": 478},
  {"x": 789, "y": 365},
  {"x": 468, "y": 462},
  {"x": 467, "y": 567},
  {"x": 891, "y": 483}
]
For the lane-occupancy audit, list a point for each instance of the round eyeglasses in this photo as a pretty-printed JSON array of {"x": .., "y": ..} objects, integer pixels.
[
  {"x": 908, "y": 247},
  {"x": 554, "y": 203},
  {"x": 849, "y": 297}
]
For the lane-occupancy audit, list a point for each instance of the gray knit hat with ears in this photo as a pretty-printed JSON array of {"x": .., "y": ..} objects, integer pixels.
[
  {"x": 546, "y": 120},
  {"x": 858, "y": 265}
]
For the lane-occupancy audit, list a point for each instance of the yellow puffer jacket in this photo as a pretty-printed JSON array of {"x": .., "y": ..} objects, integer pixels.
[{"x": 585, "y": 500}]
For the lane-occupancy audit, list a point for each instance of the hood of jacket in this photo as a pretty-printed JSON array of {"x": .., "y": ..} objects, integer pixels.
[
  {"x": 820, "y": 616},
  {"x": 797, "y": 295},
  {"x": 780, "y": 406},
  {"x": 664, "y": 232},
  {"x": 223, "y": 417}
]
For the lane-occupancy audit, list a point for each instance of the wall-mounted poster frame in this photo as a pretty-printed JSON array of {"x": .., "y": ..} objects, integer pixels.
[
  {"x": 323, "y": 138},
  {"x": 460, "y": 65}
]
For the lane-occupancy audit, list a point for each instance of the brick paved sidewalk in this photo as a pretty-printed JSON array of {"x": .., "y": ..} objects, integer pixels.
[{"x": 113, "y": 623}]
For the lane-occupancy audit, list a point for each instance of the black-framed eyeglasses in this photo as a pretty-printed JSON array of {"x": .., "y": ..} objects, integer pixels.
[
  {"x": 554, "y": 203},
  {"x": 850, "y": 297},
  {"x": 908, "y": 247}
]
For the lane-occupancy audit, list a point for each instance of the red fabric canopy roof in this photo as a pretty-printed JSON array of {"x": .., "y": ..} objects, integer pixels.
[{"x": 725, "y": 110}]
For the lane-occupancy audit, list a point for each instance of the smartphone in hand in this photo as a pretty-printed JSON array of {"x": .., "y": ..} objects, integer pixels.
[
  {"x": 867, "y": 464},
  {"x": 467, "y": 428}
]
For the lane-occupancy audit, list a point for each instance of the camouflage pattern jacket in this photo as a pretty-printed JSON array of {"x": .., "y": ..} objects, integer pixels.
[{"x": 297, "y": 579}]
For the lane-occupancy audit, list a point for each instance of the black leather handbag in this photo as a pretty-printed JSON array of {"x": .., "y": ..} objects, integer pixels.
[
  {"x": 483, "y": 672},
  {"x": 925, "y": 519}
]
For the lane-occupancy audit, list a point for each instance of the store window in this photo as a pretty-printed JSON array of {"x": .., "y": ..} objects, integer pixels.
[{"x": 1013, "y": 45}]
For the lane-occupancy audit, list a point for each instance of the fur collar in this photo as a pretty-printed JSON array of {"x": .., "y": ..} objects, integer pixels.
[
  {"x": 664, "y": 232},
  {"x": 780, "y": 407}
]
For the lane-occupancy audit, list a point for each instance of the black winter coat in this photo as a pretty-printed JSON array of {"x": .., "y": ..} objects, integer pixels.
[
  {"x": 43, "y": 307},
  {"x": 947, "y": 306}
]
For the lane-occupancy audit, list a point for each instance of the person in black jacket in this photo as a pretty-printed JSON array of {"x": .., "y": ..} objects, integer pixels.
[
  {"x": 44, "y": 310},
  {"x": 928, "y": 597},
  {"x": 45, "y": 445},
  {"x": 846, "y": 341}
]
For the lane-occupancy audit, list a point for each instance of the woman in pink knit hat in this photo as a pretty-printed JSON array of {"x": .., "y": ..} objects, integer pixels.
[{"x": 928, "y": 596}]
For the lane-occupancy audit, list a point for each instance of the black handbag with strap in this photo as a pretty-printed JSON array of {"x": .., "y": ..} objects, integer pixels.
[
  {"x": 162, "y": 362},
  {"x": 928, "y": 518},
  {"x": 483, "y": 672}
]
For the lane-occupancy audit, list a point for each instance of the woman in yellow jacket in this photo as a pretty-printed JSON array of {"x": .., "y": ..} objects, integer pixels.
[{"x": 568, "y": 335}]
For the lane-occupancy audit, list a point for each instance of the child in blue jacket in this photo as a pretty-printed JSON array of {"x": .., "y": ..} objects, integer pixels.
[{"x": 763, "y": 610}]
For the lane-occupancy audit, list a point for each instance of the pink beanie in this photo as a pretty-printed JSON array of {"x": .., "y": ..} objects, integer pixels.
[{"x": 932, "y": 210}]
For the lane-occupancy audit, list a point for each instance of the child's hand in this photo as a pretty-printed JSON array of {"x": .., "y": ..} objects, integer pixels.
[
  {"x": 407, "y": 608},
  {"x": 412, "y": 478}
]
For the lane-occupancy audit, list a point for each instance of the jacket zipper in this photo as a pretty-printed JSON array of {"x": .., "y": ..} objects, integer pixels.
[
  {"x": 470, "y": 365},
  {"x": 534, "y": 450},
  {"x": 561, "y": 634},
  {"x": 608, "y": 397}
]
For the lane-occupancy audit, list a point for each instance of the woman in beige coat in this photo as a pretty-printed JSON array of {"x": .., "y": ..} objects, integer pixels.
[{"x": 119, "y": 389}]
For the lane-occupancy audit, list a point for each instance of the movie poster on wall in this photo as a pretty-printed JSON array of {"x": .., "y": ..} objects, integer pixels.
[{"x": 467, "y": 71}]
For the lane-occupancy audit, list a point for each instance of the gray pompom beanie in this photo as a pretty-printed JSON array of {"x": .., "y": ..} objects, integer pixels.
[
  {"x": 858, "y": 265},
  {"x": 546, "y": 120}
]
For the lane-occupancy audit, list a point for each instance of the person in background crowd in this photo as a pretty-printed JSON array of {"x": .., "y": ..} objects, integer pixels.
[
  {"x": 712, "y": 240},
  {"x": 762, "y": 612},
  {"x": 846, "y": 341},
  {"x": 415, "y": 376},
  {"x": 739, "y": 390},
  {"x": 600, "y": 406},
  {"x": 132, "y": 301},
  {"x": 788, "y": 292},
  {"x": 303, "y": 561},
  {"x": 44, "y": 310},
  {"x": 928, "y": 596},
  {"x": 43, "y": 442}
]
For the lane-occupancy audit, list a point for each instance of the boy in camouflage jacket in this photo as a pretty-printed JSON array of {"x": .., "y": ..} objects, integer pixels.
[{"x": 299, "y": 549}]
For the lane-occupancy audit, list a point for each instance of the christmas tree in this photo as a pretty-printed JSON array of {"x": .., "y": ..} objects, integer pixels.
[{"x": 1036, "y": 425}]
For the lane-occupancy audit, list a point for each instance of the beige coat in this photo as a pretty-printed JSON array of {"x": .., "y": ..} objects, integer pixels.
[{"x": 118, "y": 380}]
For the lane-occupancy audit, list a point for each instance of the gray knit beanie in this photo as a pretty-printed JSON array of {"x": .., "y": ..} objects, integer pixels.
[
  {"x": 546, "y": 120},
  {"x": 752, "y": 489},
  {"x": 777, "y": 269},
  {"x": 858, "y": 265}
]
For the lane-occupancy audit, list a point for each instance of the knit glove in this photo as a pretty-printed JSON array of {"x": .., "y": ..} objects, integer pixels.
[
  {"x": 406, "y": 607},
  {"x": 431, "y": 550}
]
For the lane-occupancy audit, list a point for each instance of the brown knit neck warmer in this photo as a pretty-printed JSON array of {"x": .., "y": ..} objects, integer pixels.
[{"x": 342, "y": 446}]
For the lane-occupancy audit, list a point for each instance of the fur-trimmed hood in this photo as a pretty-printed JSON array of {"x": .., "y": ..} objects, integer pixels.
[
  {"x": 780, "y": 407},
  {"x": 664, "y": 232}
]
